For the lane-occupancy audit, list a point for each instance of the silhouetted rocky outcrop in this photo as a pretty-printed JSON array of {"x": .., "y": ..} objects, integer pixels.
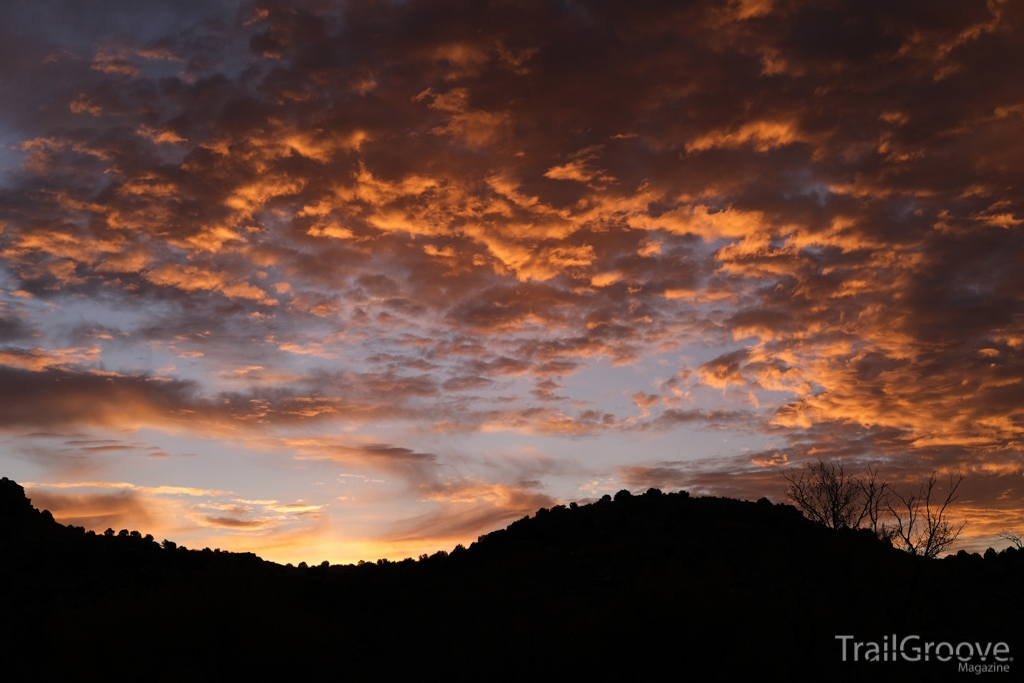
[{"x": 708, "y": 588}]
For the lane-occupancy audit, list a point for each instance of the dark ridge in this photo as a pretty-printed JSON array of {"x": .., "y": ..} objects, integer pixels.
[{"x": 665, "y": 584}]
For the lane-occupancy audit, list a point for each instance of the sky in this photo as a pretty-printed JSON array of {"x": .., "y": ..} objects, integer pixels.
[{"x": 337, "y": 280}]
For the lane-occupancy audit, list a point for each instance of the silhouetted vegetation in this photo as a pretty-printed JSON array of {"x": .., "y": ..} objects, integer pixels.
[
  {"x": 921, "y": 524},
  {"x": 661, "y": 583},
  {"x": 918, "y": 523}
]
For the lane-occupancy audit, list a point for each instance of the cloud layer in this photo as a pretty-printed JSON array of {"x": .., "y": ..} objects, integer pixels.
[{"x": 798, "y": 223}]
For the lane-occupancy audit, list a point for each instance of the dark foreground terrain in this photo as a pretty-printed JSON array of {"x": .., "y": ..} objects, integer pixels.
[{"x": 640, "y": 586}]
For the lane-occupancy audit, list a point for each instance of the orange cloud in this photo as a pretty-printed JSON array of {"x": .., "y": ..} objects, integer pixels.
[
  {"x": 196, "y": 278},
  {"x": 762, "y": 135},
  {"x": 456, "y": 227}
]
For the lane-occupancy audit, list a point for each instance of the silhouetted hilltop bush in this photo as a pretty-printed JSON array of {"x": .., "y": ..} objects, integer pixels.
[{"x": 659, "y": 583}]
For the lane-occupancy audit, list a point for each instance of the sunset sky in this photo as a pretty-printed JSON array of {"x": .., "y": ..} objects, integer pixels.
[{"x": 348, "y": 280}]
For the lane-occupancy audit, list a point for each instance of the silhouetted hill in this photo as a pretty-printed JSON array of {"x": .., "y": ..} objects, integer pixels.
[{"x": 665, "y": 584}]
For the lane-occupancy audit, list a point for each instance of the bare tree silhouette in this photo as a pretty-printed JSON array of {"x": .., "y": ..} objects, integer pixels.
[
  {"x": 1013, "y": 537},
  {"x": 826, "y": 494},
  {"x": 921, "y": 525}
]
